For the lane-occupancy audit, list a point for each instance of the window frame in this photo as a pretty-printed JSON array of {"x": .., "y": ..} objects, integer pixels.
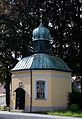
[{"x": 46, "y": 90}]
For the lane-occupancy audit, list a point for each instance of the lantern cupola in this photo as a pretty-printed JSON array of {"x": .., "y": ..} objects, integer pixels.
[{"x": 41, "y": 38}]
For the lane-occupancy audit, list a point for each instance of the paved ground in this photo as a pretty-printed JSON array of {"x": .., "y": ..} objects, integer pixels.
[{"x": 13, "y": 115}]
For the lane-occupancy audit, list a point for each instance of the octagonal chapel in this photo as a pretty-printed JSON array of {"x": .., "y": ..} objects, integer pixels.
[{"x": 40, "y": 82}]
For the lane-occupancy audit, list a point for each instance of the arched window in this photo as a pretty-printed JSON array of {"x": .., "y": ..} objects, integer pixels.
[{"x": 40, "y": 89}]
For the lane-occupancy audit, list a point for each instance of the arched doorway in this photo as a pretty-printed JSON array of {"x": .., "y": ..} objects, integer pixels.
[{"x": 20, "y": 99}]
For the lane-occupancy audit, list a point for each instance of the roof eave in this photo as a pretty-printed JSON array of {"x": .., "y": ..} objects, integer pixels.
[{"x": 64, "y": 70}]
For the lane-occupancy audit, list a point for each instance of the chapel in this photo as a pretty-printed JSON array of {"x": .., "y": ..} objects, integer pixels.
[{"x": 40, "y": 82}]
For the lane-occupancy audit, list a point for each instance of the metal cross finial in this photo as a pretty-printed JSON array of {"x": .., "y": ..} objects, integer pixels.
[{"x": 41, "y": 19}]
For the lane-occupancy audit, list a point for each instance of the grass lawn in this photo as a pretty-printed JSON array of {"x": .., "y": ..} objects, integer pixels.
[{"x": 64, "y": 113}]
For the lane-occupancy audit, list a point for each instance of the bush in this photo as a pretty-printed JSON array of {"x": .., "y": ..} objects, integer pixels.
[
  {"x": 75, "y": 98},
  {"x": 1, "y": 108},
  {"x": 75, "y": 90},
  {"x": 5, "y": 108},
  {"x": 74, "y": 107}
]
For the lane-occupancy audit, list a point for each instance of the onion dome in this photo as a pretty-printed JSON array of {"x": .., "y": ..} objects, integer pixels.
[
  {"x": 41, "y": 61},
  {"x": 41, "y": 33}
]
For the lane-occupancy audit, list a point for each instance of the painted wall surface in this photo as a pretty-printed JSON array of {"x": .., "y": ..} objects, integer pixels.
[
  {"x": 24, "y": 77},
  {"x": 61, "y": 86},
  {"x": 45, "y": 76},
  {"x": 58, "y": 86}
]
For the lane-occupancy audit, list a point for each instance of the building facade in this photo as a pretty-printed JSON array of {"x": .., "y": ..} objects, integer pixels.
[{"x": 40, "y": 82}]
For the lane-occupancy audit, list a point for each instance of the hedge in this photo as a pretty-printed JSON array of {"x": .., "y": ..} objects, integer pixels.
[{"x": 75, "y": 98}]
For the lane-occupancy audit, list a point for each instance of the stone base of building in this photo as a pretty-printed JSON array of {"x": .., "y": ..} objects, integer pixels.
[{"x": 42, "y": 108}]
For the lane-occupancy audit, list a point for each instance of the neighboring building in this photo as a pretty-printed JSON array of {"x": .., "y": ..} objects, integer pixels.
[
  {"x": 40, "y": 82},
  {"x": 2, "y": 95},
  {"x": 76, "y": 83},
  {"x": 2, "y": 89}
]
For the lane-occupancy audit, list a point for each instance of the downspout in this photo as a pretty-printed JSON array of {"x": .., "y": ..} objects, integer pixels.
[
  {"x": 30, "y": 90},
  {"x": 10, "y": 94}
]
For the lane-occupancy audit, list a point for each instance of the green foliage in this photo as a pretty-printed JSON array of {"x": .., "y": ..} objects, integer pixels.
[
  {"x": 1, "y": 108},
  {"x": 66, "y": 113},
  {"x": 63, "y": 113},
  {"x": 74, "y": 90},
  {"x": 5, "y": 108},
  {"x": 23, "y": 16},
  {"x": 74, "y": 107},
  {"x": 75, "y": 98}
]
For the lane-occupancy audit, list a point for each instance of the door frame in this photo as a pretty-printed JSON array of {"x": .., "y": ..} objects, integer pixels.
[{"x": 20, "y": 94}]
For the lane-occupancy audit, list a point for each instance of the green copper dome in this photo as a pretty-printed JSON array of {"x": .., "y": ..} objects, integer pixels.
[
  {"x": 41, "y": 33},
  {"x": 41, "y": 61}
]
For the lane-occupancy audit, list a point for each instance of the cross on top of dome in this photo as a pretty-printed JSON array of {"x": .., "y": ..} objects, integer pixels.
[
  {"x": 41, "y": 24},
  {"x": 41, "y": 32}
]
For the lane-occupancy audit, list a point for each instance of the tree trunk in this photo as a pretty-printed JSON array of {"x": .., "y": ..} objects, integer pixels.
[{"x": 7, "y": 81}]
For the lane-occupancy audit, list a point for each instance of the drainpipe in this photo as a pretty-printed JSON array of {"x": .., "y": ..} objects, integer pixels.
[
  {"x": 10, "y": 94},
  {"x": 30, "y": 90}
]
